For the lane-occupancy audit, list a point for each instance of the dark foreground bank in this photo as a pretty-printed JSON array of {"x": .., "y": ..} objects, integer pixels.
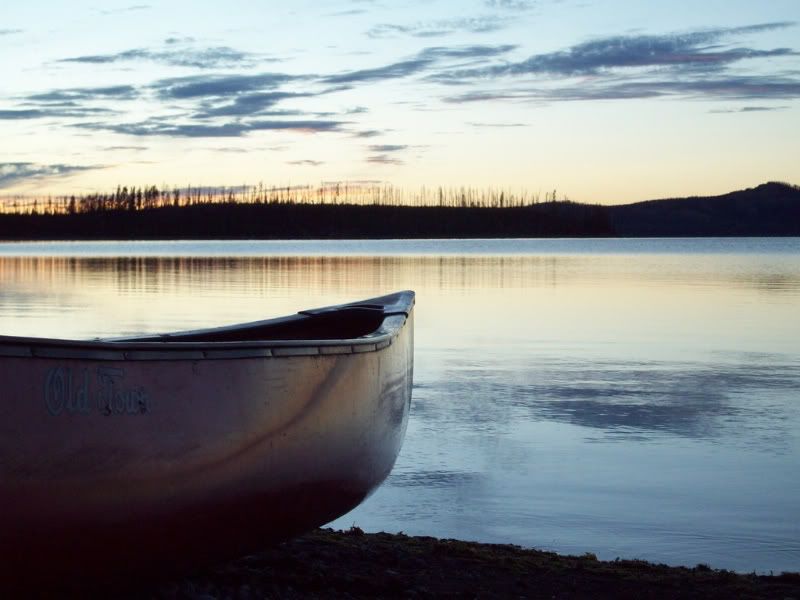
[{"x": 352, "y": 564}]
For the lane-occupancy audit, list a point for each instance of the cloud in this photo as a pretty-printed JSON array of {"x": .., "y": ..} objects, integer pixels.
[
  {"x": 199, "y": 86},
  {"x": 125, "y": 9},
  {"x": 694, "y": 64},
  {"x": 386, "y": 148},
  {"x": 484, "y": 24},
  {"x": 231, "y": 150},
  {"x": 754, "y": 87},
  {"x": 511, "y": 4},
  {"x": 761, "y": 108},
  {"x": 115, "y": 92},
  {"x": 384, "y": 159},
  {"x": 696, "y": 50},
  {"x": 205, "y": 58},
  {"x": 10, "y": 31},
  {"x": 306, "y": 162},
  {"x": 385, "y": 154},
  {"x": 392, "y": 71},
  {"x": 20, "y": 114},
  {"x": 467, "y": 52},
  {"x": 424, "y": 59},
  {"x": 157, "y": 127},
  {"x": 129, "y": 148},
  {"x": 68, "y": 103},
  {"x": 249, "y": 104},
  {"x": 499, "y": 125},
  {"x": 749, "y": 109},
  {"x": 368, "y": 133},
  {"x": 348, "y": 13},
  {"x": 16, "y": 172}
]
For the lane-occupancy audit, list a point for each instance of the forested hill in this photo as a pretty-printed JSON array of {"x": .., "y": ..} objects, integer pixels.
[{"x": 767, "y": 210}]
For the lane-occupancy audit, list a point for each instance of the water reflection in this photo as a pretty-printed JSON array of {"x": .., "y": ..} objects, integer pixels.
[
  {"x": 147, "y": 273},
  {"x": 642, "y": 405}
]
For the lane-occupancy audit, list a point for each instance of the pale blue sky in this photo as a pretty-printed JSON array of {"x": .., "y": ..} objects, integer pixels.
[{"x": 609, "y": 101}]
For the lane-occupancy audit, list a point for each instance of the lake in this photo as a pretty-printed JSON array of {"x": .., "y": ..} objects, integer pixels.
[{"x": 631, "y": 398}]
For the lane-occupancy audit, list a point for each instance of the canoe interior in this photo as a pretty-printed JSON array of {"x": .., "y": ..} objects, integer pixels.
[
  {"x": 352, "y": 323},
  {"x": 345, "y": 323}
]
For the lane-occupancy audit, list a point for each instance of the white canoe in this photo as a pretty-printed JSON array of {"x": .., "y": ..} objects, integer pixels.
[{"x": 128, "y": 455}]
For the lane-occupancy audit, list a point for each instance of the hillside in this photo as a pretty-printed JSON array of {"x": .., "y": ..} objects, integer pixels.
[{"x": 767, "y": 210}]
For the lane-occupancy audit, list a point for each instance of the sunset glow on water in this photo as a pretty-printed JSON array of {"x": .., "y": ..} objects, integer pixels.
[{"x": 630, "y": 398}]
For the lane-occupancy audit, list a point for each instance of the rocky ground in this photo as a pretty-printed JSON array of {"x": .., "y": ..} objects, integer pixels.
[{"x": 352, "y": 564}]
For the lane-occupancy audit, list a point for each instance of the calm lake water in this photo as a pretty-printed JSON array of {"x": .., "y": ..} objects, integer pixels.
[{"x": 631, "y": 398}]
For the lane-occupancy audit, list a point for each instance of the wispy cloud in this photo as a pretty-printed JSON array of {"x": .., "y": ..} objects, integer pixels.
[
  {"x": 203, "y": 58},
  {"x": 67, "y": 103},
  {"x": 179, "y": 40},
  {"x": 694, "y": 50},
  {"x": 442, "y": 27},
  {"x": 478, "y": 51},
  {"x": 16, "y": 172},
  {"x": 116, "y": 92},
  {"x": 21, "y": 114},
  {"x": 199, "y": 86},
  {"x": 10, "y": 31},
  {"x": 386, "y": 154},
  {"x": 755, "y": 87},
  {"x": 498, "y": 125},
  {"x": 384, "y": 159},
  {"x": 386, "y": 148},
  {"x": 160, "y": 127},
  {"x": 395, "y": 70},
  {"x": 249, "y": 104},
  {"x": 306, "y": 162},
  {"x": 125, "y": 148},
  {"x": 694, "y": 65},
  {"x": 512, "y": 4},
  {"x": 125, "y": 9},
  {"x": 348, "y": 13},
  {"x": 425, "y": 59},
  {"x": 368, "y": 133},
  {"x": 749, "y": 109}
]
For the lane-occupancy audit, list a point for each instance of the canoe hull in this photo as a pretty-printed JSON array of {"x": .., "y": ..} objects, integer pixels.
[{"x": 110, "y": 467}]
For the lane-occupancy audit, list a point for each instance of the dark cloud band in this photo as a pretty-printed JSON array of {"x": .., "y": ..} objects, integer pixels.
[{"x": 18, "y": 172}]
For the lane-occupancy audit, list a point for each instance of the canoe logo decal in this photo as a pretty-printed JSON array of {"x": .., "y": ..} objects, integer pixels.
[{"x": 76, "y": 392}]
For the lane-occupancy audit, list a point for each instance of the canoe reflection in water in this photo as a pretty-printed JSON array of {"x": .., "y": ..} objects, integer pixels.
[{"x": 119, "y": 456}]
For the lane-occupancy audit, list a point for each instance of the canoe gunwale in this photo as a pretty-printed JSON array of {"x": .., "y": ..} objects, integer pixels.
[{"x": 395, "y": 311}]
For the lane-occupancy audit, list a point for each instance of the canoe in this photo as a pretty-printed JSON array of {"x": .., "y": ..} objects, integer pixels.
[{"x": 129, "y": 455}]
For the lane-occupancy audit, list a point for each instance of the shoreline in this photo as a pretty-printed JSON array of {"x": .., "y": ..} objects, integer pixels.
[
  {"x": 352, "y": 564},
  {"x": 771, "y": 209}
]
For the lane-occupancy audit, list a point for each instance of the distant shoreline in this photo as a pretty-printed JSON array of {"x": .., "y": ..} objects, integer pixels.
[{"x": 768, "y": 210}]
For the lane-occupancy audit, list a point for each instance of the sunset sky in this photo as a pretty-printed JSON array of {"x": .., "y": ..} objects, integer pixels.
[{"x": 605, "y": 101}]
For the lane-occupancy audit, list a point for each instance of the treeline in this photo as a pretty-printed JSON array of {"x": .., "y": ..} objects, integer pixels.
[
  {"x": 310, "y": 221},
  {"x": 132, "y": 199},
  {"x": 769, "y": 209}
]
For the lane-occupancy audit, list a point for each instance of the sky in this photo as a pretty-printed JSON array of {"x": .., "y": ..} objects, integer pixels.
[{"x": 606, "y": 101}]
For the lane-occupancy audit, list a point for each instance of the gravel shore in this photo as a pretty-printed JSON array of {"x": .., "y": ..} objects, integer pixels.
[{"x": 353, "y": 564}]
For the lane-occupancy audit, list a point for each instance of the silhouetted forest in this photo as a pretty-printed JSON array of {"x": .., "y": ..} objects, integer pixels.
[
  {"x": 147, "y": 213},
  {"x": 767, "y": 210}
]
